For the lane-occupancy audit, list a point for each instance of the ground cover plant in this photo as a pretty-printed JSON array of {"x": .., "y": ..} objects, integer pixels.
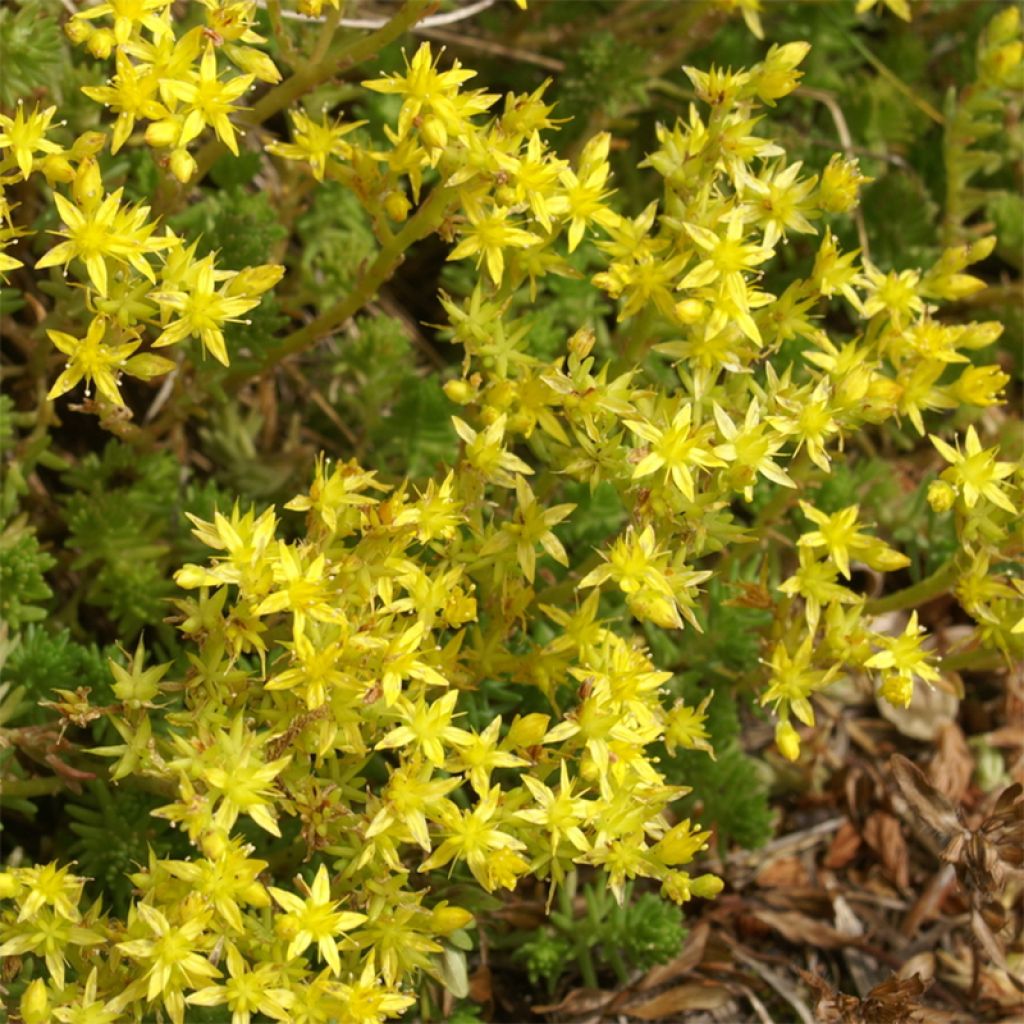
[{"x": 511, "y": 511}]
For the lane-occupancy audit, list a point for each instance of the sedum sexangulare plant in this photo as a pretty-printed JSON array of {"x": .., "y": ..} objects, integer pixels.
[{"x": 321, "y": 746}]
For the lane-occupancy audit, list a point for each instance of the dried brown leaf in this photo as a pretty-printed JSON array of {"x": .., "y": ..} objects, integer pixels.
[
  {"x": 783, "y": 872},
  {"x": 844, "y": 846},
  {"x": 669, "y": 1005},
  {"x": 581, "y": 1001},
  {"x": 802, "y": 930},
  {"x": 883, "y": 834},
  {"x": 925, "y": 801},
  {"x": 952, "y": 767}
]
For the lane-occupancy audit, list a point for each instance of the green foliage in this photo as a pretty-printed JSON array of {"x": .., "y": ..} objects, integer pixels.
[
  {"x": 607, "y": 938},
  {"x": 42, "y": 659},
  {"x": 32, "y": 52},
  {"x": 604, "y": 73},
  {"x": 114, "y": 831},
  {"x": 24, "y": 593},
  {"x": 336, "y": 239},
  {"x": 729, "y": 790}
]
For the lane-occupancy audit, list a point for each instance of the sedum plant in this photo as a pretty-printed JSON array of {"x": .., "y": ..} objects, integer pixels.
[{"x": 329, "y": 745}]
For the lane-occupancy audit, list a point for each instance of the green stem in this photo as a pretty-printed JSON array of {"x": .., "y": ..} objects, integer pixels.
[
  {"x": 31, "y": 787},
  {"x": 938, "y": 583},
  {"x": 422, "y": 223},
  {"x": 976, "y": 660}
]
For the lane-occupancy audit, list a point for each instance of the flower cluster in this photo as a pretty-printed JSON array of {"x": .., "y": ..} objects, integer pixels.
[
  {"x": 135, "y": 278},
  {"x": 327, "y": 720},
  {"x": 174, "y": 82}
]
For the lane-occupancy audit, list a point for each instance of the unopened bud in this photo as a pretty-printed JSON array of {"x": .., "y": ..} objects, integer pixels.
[
  {"x": 101, "y": 43},
  {"x": 459, "y": 391},
  {"x": 162, "y": 133},
  {"x": 445, "y": 919},
  {"x": 397, "y": 206},
  {"x": 35, "y": 1004},
  {"x": 787, "y": 739},
  {"x": 433, "y": 132},
  {"x": 940, "y": 496},
  {"x": 78, "y": 31},
  {"x": 182, "y": 165},
  {"x": 690, "y": 311},
  {"x": 88, "y": 186}
]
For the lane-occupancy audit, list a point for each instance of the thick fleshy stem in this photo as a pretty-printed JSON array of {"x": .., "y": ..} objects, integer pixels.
[
  {"x": 426, "y": 219},
  {"x": 930, "y": 587}
]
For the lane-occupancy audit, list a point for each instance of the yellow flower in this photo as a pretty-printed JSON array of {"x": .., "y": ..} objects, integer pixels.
[
  {"x": 209, "y": 100},
  {"x": 132, "y": 94},
  {"x": 904, "y": 660},
  {"x": 173, "y": 959},
  {"x": 130, "y": 16},
  {"x": 202, "y": 310},
  {"x": 749, "y": 449},
  {"x": 246, "y": 991},
  {"x": 315, "y": 919},
  {"x": 92, "y": 360},
  {"x": 26, "y": 136},
  {"x": 678, "y": 447},
  {"x": 794, "y": 678},
  {"x": 474, "y": 837},
  {"x": 974, "y": 472},
  {"x": 315, "y": 142},
  {"x": 488, "y": 235},
  {"x": 96, "y": 233}
]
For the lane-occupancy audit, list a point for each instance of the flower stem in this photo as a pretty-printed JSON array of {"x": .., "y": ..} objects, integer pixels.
[
  {"x": 31, "y": 787},
  {"x": 932, "y": 586},
  {"x": 422, "y": 223}
]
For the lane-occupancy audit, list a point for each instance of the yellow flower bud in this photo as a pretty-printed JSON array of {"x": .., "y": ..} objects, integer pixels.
[
  {"x": 162, "y": 133},
  {"x": 57, "y": 168},
  {"x": 9, "y": 886},
  {"x": 78, "y": 31},
  {"x": 397, "y": 206},
  {"x": 677, "y": 887},
  {"x": 183, "y": 166},
  {"x": 101, "y": 43},
  {"x": 690, "y": 311},
  {"x": 787, "y": 739},
  {"x": 433, "y": 132},
  {"x": 706, "y": 887},
  {"x": 255, "y": 281},
  {"x": 527, "y": 731},
  {"x": 898, "y": 689},
  {"x": 253, "y": 62},
  {"x": 459, "y": 391},
  {"x": 941, "y": 496},
  {"x": 981, "y": 385},
  {"x": 35, "y": 1004},
  {"x": 214, "y": 844},
  {"x": 445, "y": 919},
  {"x": 88, "y": 186}
]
